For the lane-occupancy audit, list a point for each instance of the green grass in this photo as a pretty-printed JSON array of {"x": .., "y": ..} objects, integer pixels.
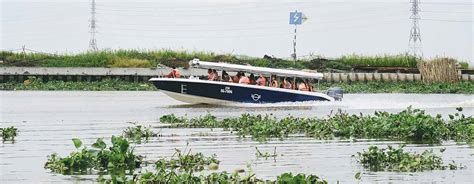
[
  {"x": 150, "y": 58},
  {"x": 402, "y": 60}
]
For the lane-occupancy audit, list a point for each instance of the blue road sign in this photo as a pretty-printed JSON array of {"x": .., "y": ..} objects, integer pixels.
[{"x": 296, "y": 18}]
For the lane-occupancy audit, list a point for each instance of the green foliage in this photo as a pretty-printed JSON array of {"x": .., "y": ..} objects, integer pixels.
[
  {"x": 118, "y": 158},
  {"x": 186, "y": 161},
  {"x": 129, "y": 63},
  {"x": 139, "y": 132},
  {"x": 402, "y": 60},
  {"x": 461, "y": 127},
  {"x": 149, "y": 58},
  {"x": 170, "y": 176},
  {"x": 464, "y": 65},
  {"x": 103, "y": 85},
  {"x": 409, "y": 124},
  {"x": 356, "y": 87},
  {"x": 9, "y": 133},
  {"x": 401, "y": 87},
  {"x": 392, "y": 159},
  {"x": 265, "y": 155}
]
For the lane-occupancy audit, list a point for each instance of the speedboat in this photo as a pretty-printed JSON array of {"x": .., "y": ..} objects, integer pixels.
[{"x": 198, "y": 91}]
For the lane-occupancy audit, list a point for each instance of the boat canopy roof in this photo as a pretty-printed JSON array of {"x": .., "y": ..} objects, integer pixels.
[{"x": 196, "y": 63}]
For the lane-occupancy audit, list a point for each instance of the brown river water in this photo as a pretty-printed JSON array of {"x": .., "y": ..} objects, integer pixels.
[{"x": 48, "y": 120}]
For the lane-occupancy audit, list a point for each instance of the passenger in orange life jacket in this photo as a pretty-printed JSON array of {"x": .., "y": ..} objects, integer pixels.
[
  {"x": 175, "y": 73},
  {"x": 237, "y": 77},
  {"x": 305, "y": 86},
  {"x": 261, "y": 81},
  {"x": 244, "y": 79},
  {"x": 274, "y": 81}
]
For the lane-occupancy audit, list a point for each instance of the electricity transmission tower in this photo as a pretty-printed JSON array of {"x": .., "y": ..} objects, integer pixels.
[
  {"x": 92, "y": 26},
  {"x": 415, "y": 35}
]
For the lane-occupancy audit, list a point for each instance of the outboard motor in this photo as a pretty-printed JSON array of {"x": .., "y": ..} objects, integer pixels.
[{"x": 336, "y": 93}]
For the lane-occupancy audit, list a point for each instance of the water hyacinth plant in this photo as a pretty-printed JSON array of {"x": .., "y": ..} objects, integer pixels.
[
  {"x": 117, "y": 158},
  {"x": 139, "y": 132},
  {"x": 396, "y": 159},
  {"x": 8, "y": 133},
  {"x": 409, "y": 124},
  {"x": 188, "y": 162}
]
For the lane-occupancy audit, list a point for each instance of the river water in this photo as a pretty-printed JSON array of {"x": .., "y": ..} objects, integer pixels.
[{"x": 48, "y": 120}]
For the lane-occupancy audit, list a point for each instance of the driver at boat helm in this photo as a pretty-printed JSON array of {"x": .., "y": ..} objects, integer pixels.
[
  {"x": 244, "y": 79},
  {"x": 175, "y": 73}
]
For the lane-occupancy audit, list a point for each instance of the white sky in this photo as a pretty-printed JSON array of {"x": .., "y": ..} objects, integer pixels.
[{"x": 247, "y": 27}]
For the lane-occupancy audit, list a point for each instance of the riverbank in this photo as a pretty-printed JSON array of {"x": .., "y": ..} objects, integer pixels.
[{"x": 359, "y": 87}]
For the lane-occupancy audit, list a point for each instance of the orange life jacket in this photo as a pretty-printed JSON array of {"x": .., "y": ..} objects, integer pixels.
[
  {"x": 244, "y": 80},
  {"x": 177, "y": 73},
  {"x": 303, "y": 87}
]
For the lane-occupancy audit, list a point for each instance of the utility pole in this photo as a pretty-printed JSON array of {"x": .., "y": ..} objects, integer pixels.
[
  {"x": 415, "y": 35},
  {"x": 92, "y": 31},
  {"x": 296, "y": 18},
  {"x": 294, "y": 45}
]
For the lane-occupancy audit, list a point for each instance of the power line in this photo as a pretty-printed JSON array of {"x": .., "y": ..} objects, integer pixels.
[{"x": 446, "y": 20}]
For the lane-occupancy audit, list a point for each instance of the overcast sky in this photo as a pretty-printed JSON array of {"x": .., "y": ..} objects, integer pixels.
[{"x": 247, "y": 27}]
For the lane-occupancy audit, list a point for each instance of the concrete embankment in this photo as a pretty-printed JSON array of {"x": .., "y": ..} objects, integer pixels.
[{"x": 143, "y": 74}]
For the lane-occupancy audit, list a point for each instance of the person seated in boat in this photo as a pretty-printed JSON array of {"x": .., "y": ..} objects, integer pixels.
[
  {"x": 244, "y": 79},
  {"x": 215, "y": 75},
  {"x": 209, "y": 74},
  {"x": 305, "y": 86},
  {"x": 236, "y": 78},
  {"x": 175, "y": 73},
  {"x": 252, "y": 79},
  {"x": 261, "y": 81},
  {"x": 274, "y": 81},
  {"x": 225, "y": 76},
  {"x": 285, "y": 84}
]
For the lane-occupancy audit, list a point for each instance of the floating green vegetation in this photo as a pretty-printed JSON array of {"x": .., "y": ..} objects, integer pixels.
[
  {"x": 170, "y": 176},
  {"x": 9, "y": 133},
  {"x": 461, "y": 128},
  {"x": 401, "y": 87},
  {"x": 187, "y": 161},
  {"x": 266, "y": 155},
  {"x": 117, "y": 158},
  {"x": 139, "y": 132},
  {"x": 356, "y": 87},
  {"x": 103, "y": 85},
  {"x": 409, "y": 124},
  {"x": 391, "y": 159}
]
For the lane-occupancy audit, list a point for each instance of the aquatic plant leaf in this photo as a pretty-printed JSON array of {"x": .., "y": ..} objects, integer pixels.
[
  {"x": 77, "y": 142},
  {"x": 100, "y": 144},
  {"x": 357, "y": 176}
]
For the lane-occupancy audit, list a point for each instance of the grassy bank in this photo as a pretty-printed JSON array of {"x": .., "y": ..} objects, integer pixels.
[
  {"x": 150, "y": 58},
  {"x": 371, "y": 87}
]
